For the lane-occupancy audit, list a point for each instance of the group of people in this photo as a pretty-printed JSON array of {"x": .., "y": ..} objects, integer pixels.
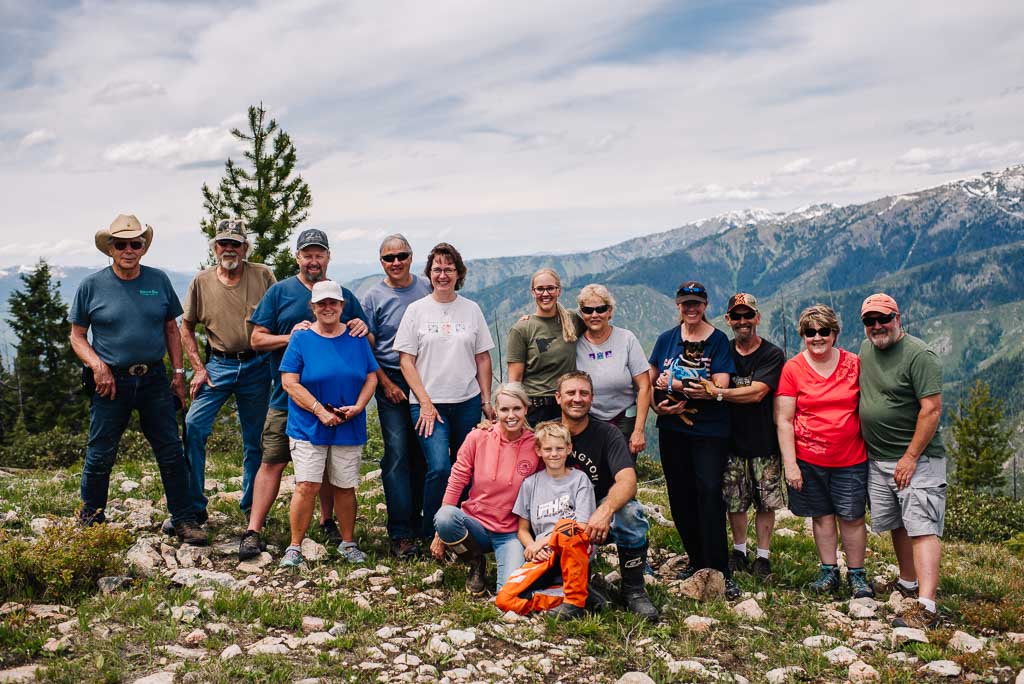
[{"x": 540, "y": 470}]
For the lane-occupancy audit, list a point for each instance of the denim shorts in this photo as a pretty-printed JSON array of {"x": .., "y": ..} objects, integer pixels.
[
  {"x": 839, "y": 491},
  {"x": 920, "y": 507}
]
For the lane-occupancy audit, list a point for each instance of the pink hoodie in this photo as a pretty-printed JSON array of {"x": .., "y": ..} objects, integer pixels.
[{"x": 496, "y": 468}]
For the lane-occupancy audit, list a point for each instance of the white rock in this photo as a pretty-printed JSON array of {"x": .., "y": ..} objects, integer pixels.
[
  {"x": 19, "y": 675},
  {"x": 318, "y": 639},
  {"x": 784, "y": 532},
  {"x": 460, "y": 637},
  {"x": 965, "y": 643},
  {"x": 143, "y": 557},
  {"x": 312, "y": 624},
  {"x": 862, "y": 607},
  {"x": 407, "y": 659},
  {"x": 217, "y": 628},
  {"x": 54, "y": 645},
  {"x": 699, "y": 623},
  {"x": 129, "y": 486},
  {"x": 458, "y": 674},
  {"x": 371, "y": 476},
  {"x": 1015, "y": 637},
  {"x": 841, "y": 655},
  {"x": 387, "y": 632},
  {"x": 156, "y": 678},
  {"x": 820, "y": 641},
  {"x": 862, "y": 672},
  {"x": 39, "y": 525},
  {"x": 781, "y": 675},
  {"x": 182, "y": 652},
  {"x": 66, "y": 627},
  {"x": 232, "y": 651},
  {"x": 433, "y": 578},
  {"x": 313, "y": 551},
  {"x": 901, "y": 657},
  {"x": 901, "y": 635},
  {"x": 194, "y": 577},
  {"x": 749, "y": 609},
  {"x": 195, "y": 637},
  {"x": 545, "y": 665},
  {"x": 1020, "y": 678},
  {"x": 269, "y": 649},
  {"x": 690, "y": 666},
  {"x": 439, "y": 647},
  {"x": 359, "y": 573},
  {"x": 185, "y": 613},
  {"x": 943, "y": 668}
]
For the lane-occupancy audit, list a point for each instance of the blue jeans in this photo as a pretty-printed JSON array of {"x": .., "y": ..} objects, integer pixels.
[
  {"x": 629, "y": 526},
  {"x": 150, "y": 394},
  {"x": 402, "y": 465},
  {"x": 453, "y": 523},
  {"x": 440, "y": 450},
  {"x": 249, "y": 381}
]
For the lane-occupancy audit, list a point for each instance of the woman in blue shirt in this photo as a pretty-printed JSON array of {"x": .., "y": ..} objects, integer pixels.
[{"x": 329, "y": 377}]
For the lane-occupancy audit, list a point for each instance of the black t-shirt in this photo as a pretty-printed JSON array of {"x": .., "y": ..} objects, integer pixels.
[
  {"x": 600, "y": 451},
  {"x": 753, "y": 425}
]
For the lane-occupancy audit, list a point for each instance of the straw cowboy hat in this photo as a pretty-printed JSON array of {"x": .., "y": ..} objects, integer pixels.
[{"x": 124, "y": 227}]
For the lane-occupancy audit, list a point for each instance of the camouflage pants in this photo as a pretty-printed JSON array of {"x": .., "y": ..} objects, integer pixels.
[{"x": 753, "y": 482}]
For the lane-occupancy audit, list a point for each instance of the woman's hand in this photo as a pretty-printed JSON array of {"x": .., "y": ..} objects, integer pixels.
[
  {"x": 637, "y": 442},
  {"x": 425, "y": 423},
  {"x": 794, "y": 478},
  {"x": 348, "y": 412},
  {"x": 662, "y": 381},
  {"x": 437, "y": 547},
  {"x": 326, "y": 418}
]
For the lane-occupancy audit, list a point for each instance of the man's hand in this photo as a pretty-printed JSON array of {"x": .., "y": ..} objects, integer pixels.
[
  {"x": 599, "y": 524},
  {"x": 106, "y": 386},
  {"x": 357, "y": 327},
  {"x": 301, "y": 325},
  {"x": 538, "y": 551},
  {"x": 489, "y": 411},
  {"x": 199, "y": 378},
  {"x": 904, "y": 472},
  {"x": 178, "y": 387},
  {"x": 393, "y": 392}
]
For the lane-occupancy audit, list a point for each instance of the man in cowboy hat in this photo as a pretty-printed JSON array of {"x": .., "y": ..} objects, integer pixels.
[
  {"x": 222, "y": 298},
  {"x": 131, "y": 310}
]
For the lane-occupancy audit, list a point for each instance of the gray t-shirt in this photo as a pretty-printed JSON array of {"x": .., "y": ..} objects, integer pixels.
[
  {"x": 384, "y": 306},
  {"x": 612, "y": 366},
  {"x": 544, "y": 500},
  {"x": 126, "y": 317}
]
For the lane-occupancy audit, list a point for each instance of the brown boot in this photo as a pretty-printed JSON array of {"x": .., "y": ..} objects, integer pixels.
[{"x": 468, "y": 551}]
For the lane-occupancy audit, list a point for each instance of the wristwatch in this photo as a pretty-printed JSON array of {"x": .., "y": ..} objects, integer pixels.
[
  {"x": 179, "y": 371},
  {"x": 720, "y": 396}
]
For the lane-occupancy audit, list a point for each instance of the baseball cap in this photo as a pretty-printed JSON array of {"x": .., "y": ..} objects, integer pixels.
[
  {"x": 880, "y": 302},
  {"x": 691, "y": 291},
  {"x": 742, "y": 299},
  {"x": 327, "y": 289},
  {"x": 310, "y": 237},
  {"x": 231, "y": 229}
]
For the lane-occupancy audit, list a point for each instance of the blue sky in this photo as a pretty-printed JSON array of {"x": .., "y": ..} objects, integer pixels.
[{"x": 503, "y": 128}]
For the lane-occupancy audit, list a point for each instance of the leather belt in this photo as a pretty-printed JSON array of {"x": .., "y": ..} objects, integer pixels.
[
  {"x": 541, "y": 402},
  {"x": 135, "y": 369},
  {"x": 237, "y": 356}
]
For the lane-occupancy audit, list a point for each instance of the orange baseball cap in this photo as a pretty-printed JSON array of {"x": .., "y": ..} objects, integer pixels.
[{"x": 881, "y": 303}]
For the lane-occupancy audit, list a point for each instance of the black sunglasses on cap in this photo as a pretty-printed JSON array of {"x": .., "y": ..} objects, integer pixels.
[
  {"x": 228, "y": 243},
  {"x": 121, "y": 245},
  {"x": 884, "y": 319},
  {"x": 811, "y": 333},
  {"x": 594, "y": 309},
  {"x": 391, "y": 258},
  {"x": 692, "y": 290}
]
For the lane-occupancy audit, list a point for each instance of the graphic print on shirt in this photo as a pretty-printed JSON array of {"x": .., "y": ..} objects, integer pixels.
[
  {"x": 562, "y": 507},
  {"x": 600, "y": 356},
  {"x": 543, "y": 344}
]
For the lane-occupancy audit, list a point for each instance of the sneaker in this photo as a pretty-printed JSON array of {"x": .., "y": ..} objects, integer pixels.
[
  {"x": 405, "y": 549},
  {"x": 738, "y": 561},
  {"x": 732, "y": 590},
  {"x": 167, "y": 527},
  {"x": 251, "y": 545},
  {"x": 329, "y": 532},
  {"x": 828, "y": 581},
  {"x": 686, "y": 573},
  {"x": 858, "y": 582},
  {"x": 292, "y": 558},
  {"x": 761, "y": 568},
  {"x": 189, "y": 532},
  {"x": 567, "y": 611},
  {"x": 917, "y": 616},
  {"x": 904, "y": 592},
  {"x": 350, "y": 553}
]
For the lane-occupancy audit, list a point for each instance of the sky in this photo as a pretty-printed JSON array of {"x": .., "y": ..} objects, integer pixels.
[{"x": 503, "y": 128}]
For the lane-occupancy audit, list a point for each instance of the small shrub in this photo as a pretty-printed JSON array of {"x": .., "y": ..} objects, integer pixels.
[
  {"x": 56, "y": 448},
  {"x": 64, "y": 562},
  {"x": 226, "y": 438},
  {"x": 1016, "y": 545},
  {"x": 134, "y": 447},
  {"x": 980, "y": 518}
]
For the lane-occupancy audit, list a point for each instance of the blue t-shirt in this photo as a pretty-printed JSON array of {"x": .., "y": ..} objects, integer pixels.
[
  {"x": 285, "y": 304},
  {"x": 384, "y": 306},
  {"x": 333, "y": 370},
  {"x": 126, "y": 317},
  {"x": 712, "y": 417}
]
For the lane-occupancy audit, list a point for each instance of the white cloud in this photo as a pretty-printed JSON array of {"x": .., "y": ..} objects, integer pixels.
[
  {"x": 842, "y": 168},
  {"x": 48, "y": 249},
  {"x": 973, "y": 157},
  {"x": 40, "y": 136},
  {"x": 794, "y": 167},
  {"x": 351, "y": 234},
  {"x": 209, "y": 144},
  {"x": 123, "y": 91}
]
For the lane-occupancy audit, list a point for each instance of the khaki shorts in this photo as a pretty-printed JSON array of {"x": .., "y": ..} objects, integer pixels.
[
  {"x": 753, "y": 482},
  {"x": 275, "y": 441},
  {"x": 920, "y": 507},
  {"x": 340, "y": 462}
]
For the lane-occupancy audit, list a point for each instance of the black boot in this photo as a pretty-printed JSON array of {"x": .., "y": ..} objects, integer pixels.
[
  {"x": 631, "y": 567},
  {"x": 468, "y": 551}
]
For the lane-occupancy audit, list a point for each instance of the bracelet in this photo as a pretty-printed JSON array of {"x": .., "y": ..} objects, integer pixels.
[{"x": 313, "y": 410}]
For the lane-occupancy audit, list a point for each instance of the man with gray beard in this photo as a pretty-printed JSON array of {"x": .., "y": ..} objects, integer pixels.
[{"x": 222, "y": 298}]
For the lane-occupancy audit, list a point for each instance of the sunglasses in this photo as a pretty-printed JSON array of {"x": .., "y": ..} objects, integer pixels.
[
  {"x": 884, "y": 319},
  {"x": 228, "y": 243},
  {"x": 391, "y": 258},
  {"x": 811, "y": 333},
  {"x": 594, "y": 309},
  {"x": 691, "y": 290},
  {"x": 121, "y": 245},
  {"x": 748, "y": 316}
]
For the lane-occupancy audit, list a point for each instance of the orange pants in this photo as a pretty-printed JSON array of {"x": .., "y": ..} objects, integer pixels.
[{"x": 570, "y": 546}]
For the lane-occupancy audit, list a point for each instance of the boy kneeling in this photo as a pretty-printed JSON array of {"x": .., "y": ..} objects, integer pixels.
[{"x": 555, "y": 503}]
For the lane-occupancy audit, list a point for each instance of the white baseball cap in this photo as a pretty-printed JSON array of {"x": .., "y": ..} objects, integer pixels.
[{"x": 327, "y": 289}]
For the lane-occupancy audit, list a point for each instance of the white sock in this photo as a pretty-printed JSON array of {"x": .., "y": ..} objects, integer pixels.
[
  {"x": 762, "y": 553},
  {"x": 927, "y": 603},
  {"x": 742, "y": 548},
  {"x": 906, "y": 584}
]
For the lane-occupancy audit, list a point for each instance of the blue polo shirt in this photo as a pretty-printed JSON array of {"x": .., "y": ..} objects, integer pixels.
[{"x": 715, "y": 354}]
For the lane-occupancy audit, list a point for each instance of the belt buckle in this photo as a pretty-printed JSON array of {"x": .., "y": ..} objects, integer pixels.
[{"x": 138, "y": 369}]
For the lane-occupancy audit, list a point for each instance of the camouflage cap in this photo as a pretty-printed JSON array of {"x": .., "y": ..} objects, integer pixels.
[
  {"x": 231, "y": 229},
  {"x": 742, "y": 299}
]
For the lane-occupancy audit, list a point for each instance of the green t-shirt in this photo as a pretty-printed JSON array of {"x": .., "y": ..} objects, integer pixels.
[
  {"x": 538, "y": 343},
  {"x": 892, "y": 382}
]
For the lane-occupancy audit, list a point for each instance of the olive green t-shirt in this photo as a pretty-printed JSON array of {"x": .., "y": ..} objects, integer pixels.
[
  {"x": 892, "y": 382},
  {"x": 538, "y": 343},
  {"x": 224, "y": 310}
]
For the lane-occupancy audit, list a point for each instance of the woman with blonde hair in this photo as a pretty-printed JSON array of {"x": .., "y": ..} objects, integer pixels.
[{"x": 542, "y": 347}]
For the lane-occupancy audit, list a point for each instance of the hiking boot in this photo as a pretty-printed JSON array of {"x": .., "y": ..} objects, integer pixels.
[
  {"x": 350, "y": 553},
  {"x": 917, "y": 616},
  {"x": 292, "y": 558},
  {"x": 167, "y": 527},
  {"x": 468, "y": 551},
  {"x": 631, "y": 567},
  {"x": 189, "y": 532},
  {"x": 828, "y": 580},
  {"x": 405, "y": 549},
  {"x": 761, "y": 568},
  {"x": 858, "y": 582},
  {"x": 597, "y": 597},
  {"x": 686, "y": 573},
  {"x": 732, "y": 590},
  {"x": 904, "y": 591},
  {"x": 738, "y": 561},
  {"x": 567, "y": 611},
  {"x": 251, "y": 545},
  {"x": 329, "y": 532}
]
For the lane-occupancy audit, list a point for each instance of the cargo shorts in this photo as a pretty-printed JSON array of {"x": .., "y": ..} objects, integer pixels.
[
  {"x": 753, "y": 482},
  {"x": 920, "y": 507},
  {"x": 275, "y": 440}
]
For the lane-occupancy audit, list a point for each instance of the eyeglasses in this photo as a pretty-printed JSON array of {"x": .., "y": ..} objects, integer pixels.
[
  {"x": 228, "y": 243},
  {"x": 547, "y": 289},
  {"x": 594, "y": 309},
  {"x": 442, "y": 271},
  {"x": 121, "y": 245},
  {"x": 747, "y": 316},
  {"x": 884, "y": 319},
  {"x": 811, "y": 333},
  {"x": 391, "y": 258}
]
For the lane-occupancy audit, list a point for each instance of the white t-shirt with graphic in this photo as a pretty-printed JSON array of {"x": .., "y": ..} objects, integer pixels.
[
  {"x": 544, "y": 500},
  {"x": 612, "y": 365}
]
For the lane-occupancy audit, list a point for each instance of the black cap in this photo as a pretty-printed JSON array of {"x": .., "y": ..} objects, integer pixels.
[
  {"x": 691, "y": 291},
  {"x": 310, "y": 237}
]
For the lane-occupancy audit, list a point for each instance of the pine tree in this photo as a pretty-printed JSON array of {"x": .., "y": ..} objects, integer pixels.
[
  {"x": 981, "y": 442},
  {"x": 46, "y": 374},
  {"x": 269, "y": 198}
]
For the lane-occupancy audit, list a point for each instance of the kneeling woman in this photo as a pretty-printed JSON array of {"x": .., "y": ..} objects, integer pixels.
[
  {"x": 329, "y": 377},
  {"x": 494, "y": 462}
]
